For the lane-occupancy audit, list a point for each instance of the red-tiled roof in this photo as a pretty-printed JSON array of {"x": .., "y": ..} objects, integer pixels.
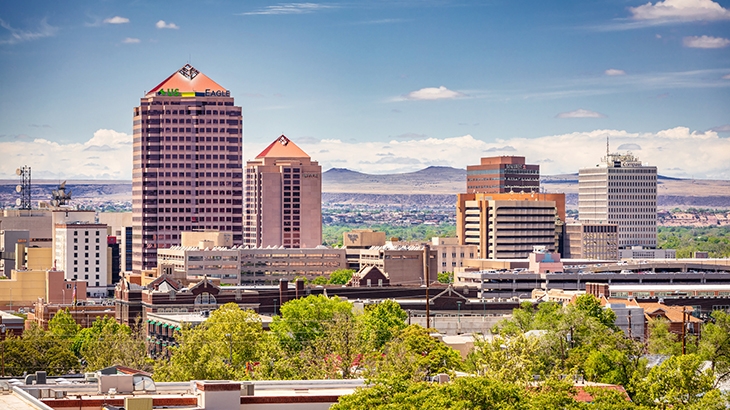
[{"x": 282, "y": 147}]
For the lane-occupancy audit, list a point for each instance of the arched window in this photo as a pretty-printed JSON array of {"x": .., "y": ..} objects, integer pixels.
[{"x": 205, "y": 298}]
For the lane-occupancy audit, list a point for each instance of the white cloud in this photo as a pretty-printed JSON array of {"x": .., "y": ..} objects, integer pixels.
[
  {"x": 289, "y": 8},
  {"x": 106, "y": 155},
  {"x": 431, "y": 93},
  {"x": 20, "y": 36},
  {"x": 726, "y": 77},
  {"x": 706, "y": 42},
  {"x": 580, "y": 113},
  {"x": 130, "y": 40},
  {"x": 680, "y": 10},
  {"x": 702, "y": 154},
  {"x": 116, "y": 20},
  {"x": 163, "y": 24},
  {"x": 614, "y": 72}
]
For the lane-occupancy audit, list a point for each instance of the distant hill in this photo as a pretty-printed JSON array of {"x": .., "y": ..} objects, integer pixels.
[
  {"x": 432, "y": 186},
  {"x": 431, "y": 180}
]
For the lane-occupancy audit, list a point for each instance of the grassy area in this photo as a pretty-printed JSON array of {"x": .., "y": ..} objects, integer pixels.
[
  {"x": 686, "y": 240},
  {"x": 332, "y": 234}
]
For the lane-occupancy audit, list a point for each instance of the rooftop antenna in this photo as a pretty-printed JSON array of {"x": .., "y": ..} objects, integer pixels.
[
  {"x": 607, "y": 150},
  {"x": 23, "y": 188}
]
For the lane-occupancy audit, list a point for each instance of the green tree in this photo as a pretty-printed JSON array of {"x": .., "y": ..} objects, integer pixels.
[
  {"x": 111, "y": 343},
  {"x": 319, "y": 280},
  {"x": 661, "y": 340},
  {"x": 592, "y": 307},
  {"x": 341, "y": 276},
  {"x": 222, "y": 347},
  {"x": 38, "y": 350},
  {"x": 412, "y": 355},
  {"x": 511, "y": 360},
  {"x": 678, "y": 381},
  {"x": 301, "y": 321},
  {"x": 63, "y": 325},
  {"x": 382, "y": 321},
  {"x": 715, "y": 344},
  {"x": 446, "y": 277}
]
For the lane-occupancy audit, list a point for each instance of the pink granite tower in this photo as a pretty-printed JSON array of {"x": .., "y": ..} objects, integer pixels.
[{"x": 187, "y": 165}]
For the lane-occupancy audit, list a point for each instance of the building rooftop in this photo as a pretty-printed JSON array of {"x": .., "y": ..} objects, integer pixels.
[
  {"x": 282, "y": 147},
  {"x": 187, "y": 80}
]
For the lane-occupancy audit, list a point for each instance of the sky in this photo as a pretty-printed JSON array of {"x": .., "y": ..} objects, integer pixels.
[{"x": 378, "y": 86}]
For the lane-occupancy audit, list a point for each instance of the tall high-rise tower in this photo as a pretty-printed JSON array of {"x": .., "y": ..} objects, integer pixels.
[
  {"x": 621, "y": 190},
  {"x": 283, "y": 198},
  {"x": 504, "y": 174},
  {"x": 187, "y": 166}
]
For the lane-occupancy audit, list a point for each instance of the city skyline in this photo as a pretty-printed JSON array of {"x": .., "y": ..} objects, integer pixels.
[{"x": 378, "y": 87}]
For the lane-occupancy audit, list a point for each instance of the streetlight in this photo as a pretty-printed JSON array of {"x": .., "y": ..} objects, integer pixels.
[{"x": 458, "y": 314}]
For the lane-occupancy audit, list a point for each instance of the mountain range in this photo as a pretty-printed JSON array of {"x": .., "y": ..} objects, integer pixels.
[{"x": 432, "y": 186}]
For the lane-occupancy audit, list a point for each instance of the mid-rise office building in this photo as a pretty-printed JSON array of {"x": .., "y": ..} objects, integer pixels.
[
  {"x": 586, "y": 240},
  {"x": 502, "y": 174},
  {"x": 81, "y": 252},
  {"x": 187, "y": 166},
  {"x": 450, "y": 254},
  {"x": 509, "y": 226},
  {"x": 622, "y": 191},
  {"x": 283, "y": 198}
]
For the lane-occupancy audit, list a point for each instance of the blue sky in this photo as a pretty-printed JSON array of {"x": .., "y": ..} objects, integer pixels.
[{"x": 378, "y": 86}]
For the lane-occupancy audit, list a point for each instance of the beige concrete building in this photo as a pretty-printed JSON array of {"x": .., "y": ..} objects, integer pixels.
[
  {"x": 27, "y": 286},
  {"x": 38, "y": 222},
  {"x": 450, "y": 254},
  {"x": 283, "y": 198},
  {"x": 187, "y": 164},
  {"x": 267, "y": 266},
  {"x": 404, "y": 265},
  {"x": 508, "y": 226},
  {"x": 363, "y": 238},
  {"x": 622, "y": 191},
  {"x": 242, "y": 266},
  {"x": 207, "y": 239},
  {"x": 193, "y": 262},
  {"x": 586, "y": 240}
]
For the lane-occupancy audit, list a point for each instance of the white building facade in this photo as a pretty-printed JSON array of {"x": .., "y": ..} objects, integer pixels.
[
  {"x": 80, "y": 250},
  {"x": 621, "y": 191}
]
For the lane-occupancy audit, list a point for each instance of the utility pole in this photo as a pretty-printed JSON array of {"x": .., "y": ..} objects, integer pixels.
[
  {"x": 684, "y": 327},
  {"x": 426, "y": 263}
]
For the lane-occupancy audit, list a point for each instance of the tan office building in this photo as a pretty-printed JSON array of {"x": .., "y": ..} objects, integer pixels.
[
  {"x": 591, "y": 241},
  {"x": 283, "y": 198},
  {"x": 187, "y": 166},
  {"x": 509, "y": 226},
  {"x": 502, "y": 174},
  {"x": 622, "y": 191},
  {"x": 450, "y": 254}
]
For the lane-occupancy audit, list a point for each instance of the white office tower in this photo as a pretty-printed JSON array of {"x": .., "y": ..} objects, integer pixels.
[{"x": 621, "y": 190}]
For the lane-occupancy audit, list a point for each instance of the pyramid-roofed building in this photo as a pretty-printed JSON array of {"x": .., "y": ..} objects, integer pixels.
[
  {"x": 188, "y": 80},
  {"x": 282, "y": 147},
  {"x": 187, "y": 166},
  {"x": 283, "y": 197}
]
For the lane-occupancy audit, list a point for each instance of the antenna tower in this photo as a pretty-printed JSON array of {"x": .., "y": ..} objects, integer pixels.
[{"x": 23, "y": 188}]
